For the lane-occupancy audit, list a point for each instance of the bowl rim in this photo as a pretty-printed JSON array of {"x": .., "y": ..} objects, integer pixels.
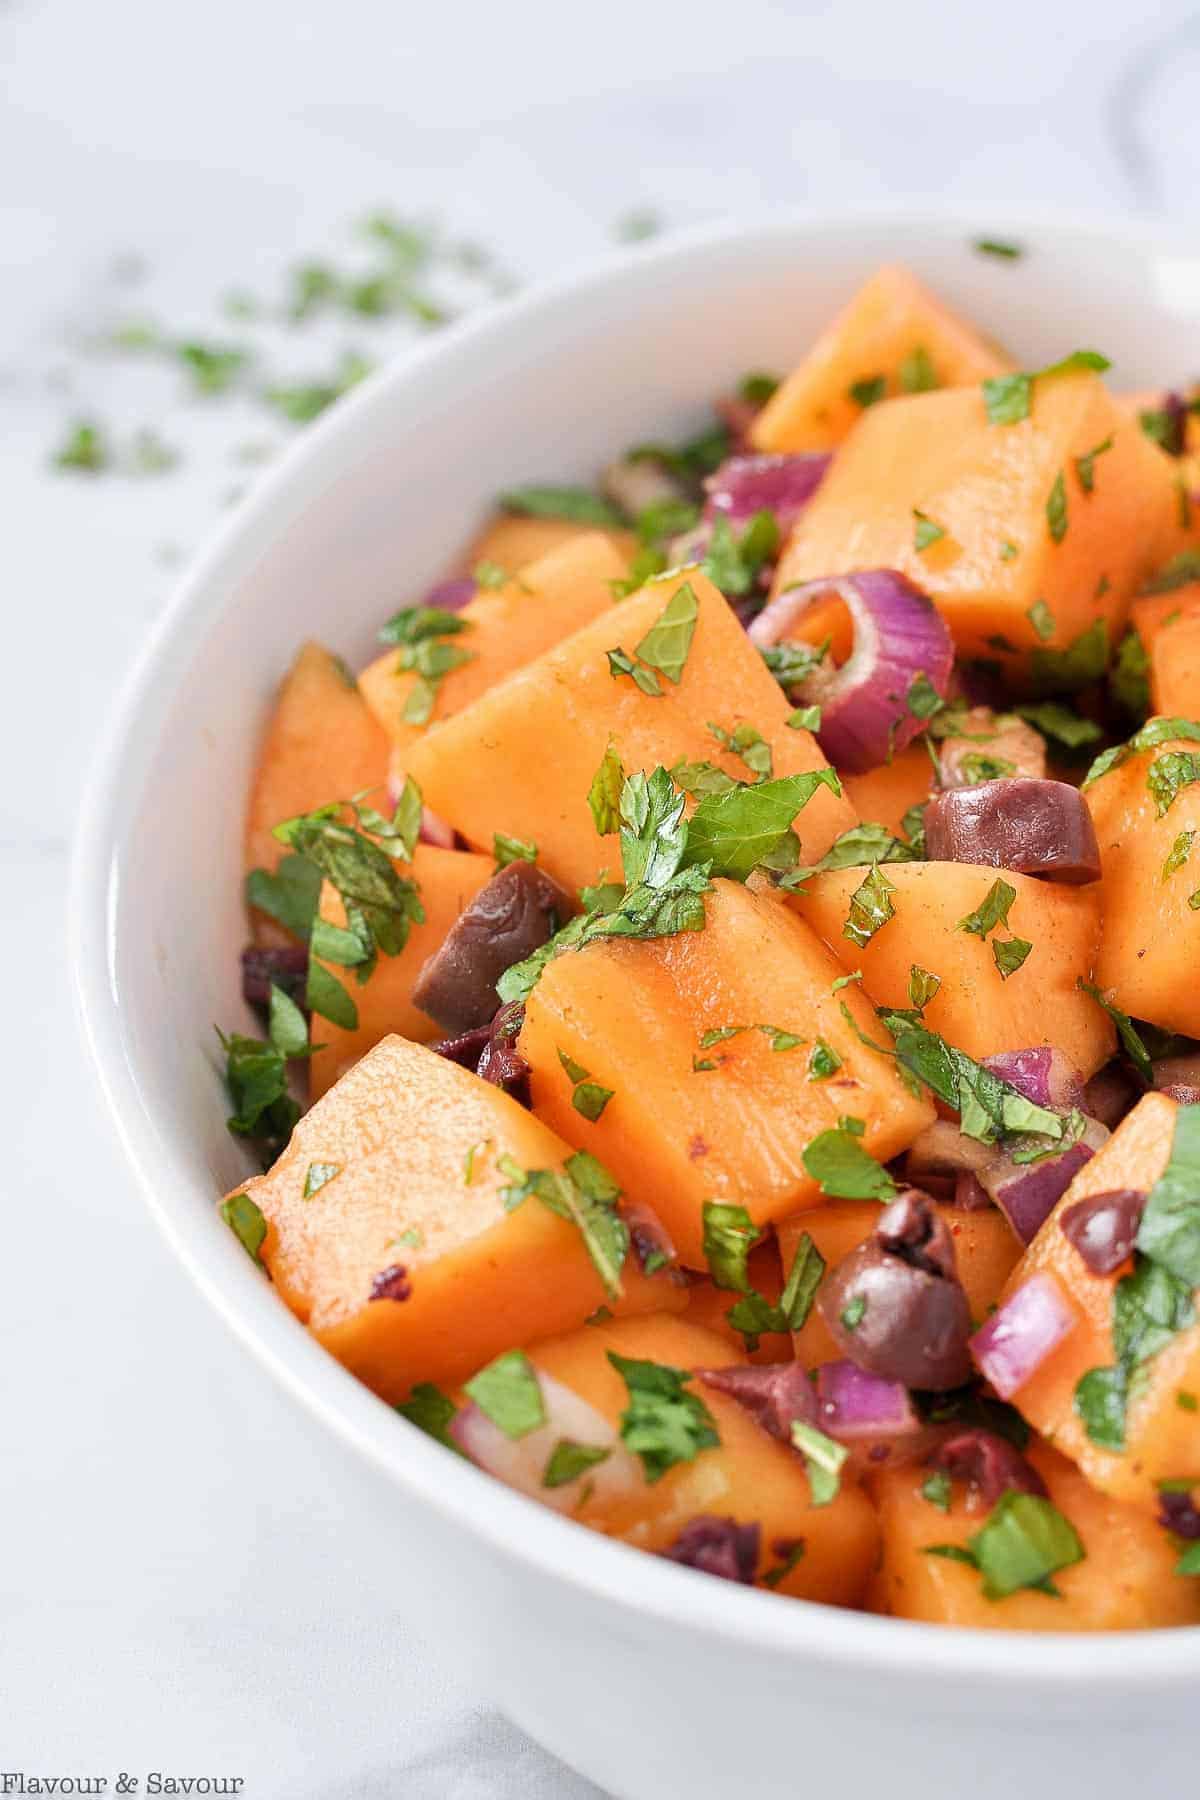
[{"x": 518, "y": 1529}]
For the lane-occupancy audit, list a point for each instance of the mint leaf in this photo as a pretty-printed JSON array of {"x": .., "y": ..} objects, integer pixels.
[
  {"x": 1025, "y": 1541},
  {"x": 870, "y": 907},
  {"x": 1083, "y": 661},
  {"x": 290, "y": 895},
  {"x": 247, "y": 1224},
  {"x": 508, "y": 1393},
  {"x": 569, "y": 1460},
  {"x": 663, "y": 1424},
  {"x": 823, "y": 1461},
  {"x": 665, "y": 646},
  {"x": 431, "y": 1412},
  {"x": 729, "y": 1236},
  {"x": 1008, "y": 398},
  {"x": 732, "y": 833},
  {"x": 604, "y": 795},
  {"x": 837, "y": 1161}
]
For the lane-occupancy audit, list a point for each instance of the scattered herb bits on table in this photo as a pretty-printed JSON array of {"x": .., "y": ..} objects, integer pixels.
[{"x": 737, "y": 942}]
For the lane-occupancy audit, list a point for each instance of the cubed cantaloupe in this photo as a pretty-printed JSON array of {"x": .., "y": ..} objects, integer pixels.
[
  {"x": 522, "y": 758},
  {"x": 709, "y": 1305},
  {"x": 893, "y": 337},
  {"x": 1024, "y": 569},
  {"x": 976, "y": 1009},
  {"x": 505, "y": 627},
  {"x": 447, "y": 880},
  {"x": 1169, "y": 627},
  {"x": 402, "y": 1161},
  {"x": 634, "y": 1014},
  {"x": 1162, "y": 1432},
  {"x": 985, "y": 1245},
  {"x": 885, "y": 794},
  {"x": 750, "y": 1476},
  {"x": 1126, "y": 1580},
  {"x": 511, "y": 540},
  {"x": 322, "y": 743},
  {"x": 1151, "y": 928}
]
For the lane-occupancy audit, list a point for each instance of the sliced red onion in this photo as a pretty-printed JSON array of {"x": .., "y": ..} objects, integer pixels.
[
  {"x": 1018, "y": 1338},
  {"x": 1104, "y": 1227},
  {"x": 899, "y": 638},
  {"x": 1038, "y": 828},
  {"x": 853, "y": 1404},
  {"x": 452, "y": 594},
  {"x": 780, "y": 485},
  {"x": 1000, "y": 737},
  {"x": 1027, "y": 1193},
  {"x": 1042, "y": 1073},
  {"x": 521, "y": 1462}
]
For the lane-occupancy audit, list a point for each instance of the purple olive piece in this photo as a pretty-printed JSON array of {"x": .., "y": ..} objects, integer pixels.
[
  {"x": 466, "y": 1049},
  {"x": 1177, "y": 1511},
  {"x": 286, "y": 968},
  {"x": 501, "y": 1062},
  {"x": 717, "y": 1547},
  {"x": 1104, "y": 1227},
  {"x": 987, "y": 1463},
  {"x": 1109, "y": 1095},
  {"x": 391, "y": 1283},
  {"x": 1035, "y": 827},
  {"x": 774, "y": 1394},
  {"x": 895, "y": 1305},
  {"x": 510, "y": 918}
]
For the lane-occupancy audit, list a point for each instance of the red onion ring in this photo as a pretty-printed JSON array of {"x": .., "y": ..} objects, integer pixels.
[{"x": 899, "y": 636}]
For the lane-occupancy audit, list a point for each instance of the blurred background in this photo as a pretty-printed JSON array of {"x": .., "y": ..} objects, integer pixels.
[{"x": 182, "y": 194}]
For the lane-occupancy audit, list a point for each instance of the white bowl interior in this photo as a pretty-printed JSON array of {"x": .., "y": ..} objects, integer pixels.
[{"x": 359, "y": 519}]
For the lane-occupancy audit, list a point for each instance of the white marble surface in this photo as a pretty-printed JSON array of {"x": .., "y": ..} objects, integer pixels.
[{"x": 153, "y": 1619}]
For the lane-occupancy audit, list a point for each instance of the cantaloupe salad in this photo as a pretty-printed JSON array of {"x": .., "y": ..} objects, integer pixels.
[{"x": 723, "y": 981}]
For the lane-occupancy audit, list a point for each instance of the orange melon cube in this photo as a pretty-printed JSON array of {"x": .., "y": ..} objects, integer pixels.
[
  {"x": 1126, "y": 1581},
  {"x": 506, "y": 627},
  {"x": 749, "y": 1476},
  {"x": 984, "y": 1243},
  {"x": 1032, "y": 559},
  {"x": 976, "y": 1009},
  {"x": 512, "y": 541},
  {"x": 522, "y": 758},
  {"x": 321, "y": 744},
  {"x": 448, "y": 880},
  {"x": 1162, "y": 1432},
  {"x": 708, "y": 1306},
  {"x": 1151, "y": 927},
  {"x": 893, "y": 337},
  {"x": 634, "y": 1014},
  {"x": 1169, "y": 627},
  {"x": 885, "y": 794},
  {"x": 388, "y": 1233}
]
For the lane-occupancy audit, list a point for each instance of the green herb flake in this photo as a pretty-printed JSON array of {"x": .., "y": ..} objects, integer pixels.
[
  {"x": 1179, "y": 852},
  {"x": 1008, "y": 551},
  {"x": 1170, "y": 1229},
  {"x": 1009, "y": 398},
  {"x": 1024, "y": 1542},
  {"x": 85, "y": 450},
  {"x": 1149, "y": 737},
  {"x": 1083, "y": 661},
  {"x": 746, "y": 742},
  {"x": 1131, "y": 1040},
  {"x": 665, "y": 646},
  {"x": 804, "y": 718},
  {"x": 992, "y": 911},
  {"x": 1189, "y": 1562},
  {"x": 290, "y": 894},
  {"x": 432, "y": 1412},
  {"x": 1060, "y": 722},
  {"x": 1042, "y": 620},
  {"x": 823, "y": 1461},
  {"x": 621, "y": 663},
  {"x": 1168, "y": 775},
  {"x": 733, "y": 563},
  {"x": 867, "y": 392},
  {"x": 923, "y": 698},
  {"x": 922, "y": 986},
  {"x": 1009, "y": 954},
  {"x": 729, "y": 1235},
  {"x": 853, "y": 1314},
  {"x": 998, "y": 247},
  {"x": 756, "y": 388},
  {"x": 1085, "y": 466},
  {"x": 580, "y": 505},
  {"x": 870, "y": 907},
  {"x": 318, "y": 1175},
  {"x": 512, "y": 849},
  {"x": 779, "y": 1039},
  {"x": 823, "y": 1062},
  {"x": 663, "y": 1424},
  {"x": 590, "y": 1099},
  {"x": 843, "y": 1169},
  {"x": 916, "y": 374},
  {"x": 1056, "y": 509},
  {"x": 247, "y": 1224},
  {"x": 1186, "y": 1402},
  {"x": 1129, "y": 676},
  {"x": 927, "y": 531},
  {"x": 937, "y": 1489},
  {"x": 604, "y": 795},
  {"x": 732, "y": 833},
  {"x": 789, "y": 1559},
  {"x": 508, "y": 1393},
  {"x": 792, "y": 663},
  {"x": 569, "y": 1460}
]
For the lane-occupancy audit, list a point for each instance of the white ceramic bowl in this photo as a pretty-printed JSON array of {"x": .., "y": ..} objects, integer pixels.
[{"x": 656, "y": 1681}]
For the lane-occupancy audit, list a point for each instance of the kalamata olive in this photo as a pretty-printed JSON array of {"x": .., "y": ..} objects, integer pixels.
[
  {"x": 510, "y": 918},
  {"x": 774, "y": 1394},
  {"x": 1103, "y": 1227},
  {"x": 985, "y": 738},
  {"x": 1035, "y": 827},
  {"x": 490, "y": 1051},
  {"x": 895, "y": 1305},
  {"x": 1109, "y": 1095},
  {"x": 988, "y": 1463},
  {"x": 1178, "y": 1512},
  {"x": 262, "y": 968},
  {"x": 718, "y": 1547}
]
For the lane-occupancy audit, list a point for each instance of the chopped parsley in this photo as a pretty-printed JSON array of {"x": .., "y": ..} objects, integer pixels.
[
  {"x": 247, "y": 1224},
  {"x": 1009, "y": 398},
  {"x": 729, "y": 1235},
  {"x": 927, "y": 531},
  {"x": 732, "y": 833},
  {"x": 757, "y": 387},
  {"x": 999, "y": 247},
  {"x": 1042, "y": 620},
  {"x": 1083, "y": 661},
  {"x": 1056, "y": 720},
  {"x": 256, "y": 1076},
  {"x": 1085, "y": 466},
  {"x": 569, "y": 1460},
  {"x": 1056, "y": 509},
  {"x": 868, "y": 391},
  {"x": 992, "y": 911},
  {"x": 870, "y": 907},
  {"x": 754, "y": 1314},
  {"x": 663, "y": 1424},
  {"x": 424, "y": 635},
  {"x": 938, "y": 1489},
  {"x": 916, "y": 374},
  {"x": 859, "y": 847},
  {"x": 585, "y": 1194},
  {"x": 432, "y": 1412},
  {"x": 1151, "y": 735},
  {"x": 604, "y": 795},
  {"x": 512, "y": 849},
  {"x": 289, "y": 895},
  {"x": 1131, "y": 1040},
  {"x": 804, "y": 718},
  {"x": 1178, "y": 854},
  {"x": 1168, "y": 775},
  {"x": 823, "y": 1061},
  {"x": 749, "y": 744},
  {"x": 789, "y": 1556},
  {"x": 1129, "y": 676},
  {"x": 843, "y": 1169},
  {"x": 852, "y": 1315},
  {"x": 922, "y": 986},
  {"x": 664, "y": 648},
  {"x": 508, "y": 1393},
  {"x": 733, "y": 563},
  {"x": 85, "y": 451},
  {"x": 989, "y": 1108},
  {"x": 823, "y": 1461},
  {"x": 1009, "y": 954},
  {"x": 792, "y": 663}
]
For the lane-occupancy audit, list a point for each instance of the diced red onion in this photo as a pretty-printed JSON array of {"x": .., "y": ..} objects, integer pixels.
[
  {"x": 899, "y": 635},
  {"x": 452, "y": 594},
  {"x": 1017, "y": 1339},
  {"x": 1042, "y": 1074},
  {"x": 521, "y": 1462},
  {"x": 1027, "y": 1193},
  {"x": 853, "y": 1404},
  {"x": 780, "y": 485},
  {"x": 1041, "y": 828}
]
